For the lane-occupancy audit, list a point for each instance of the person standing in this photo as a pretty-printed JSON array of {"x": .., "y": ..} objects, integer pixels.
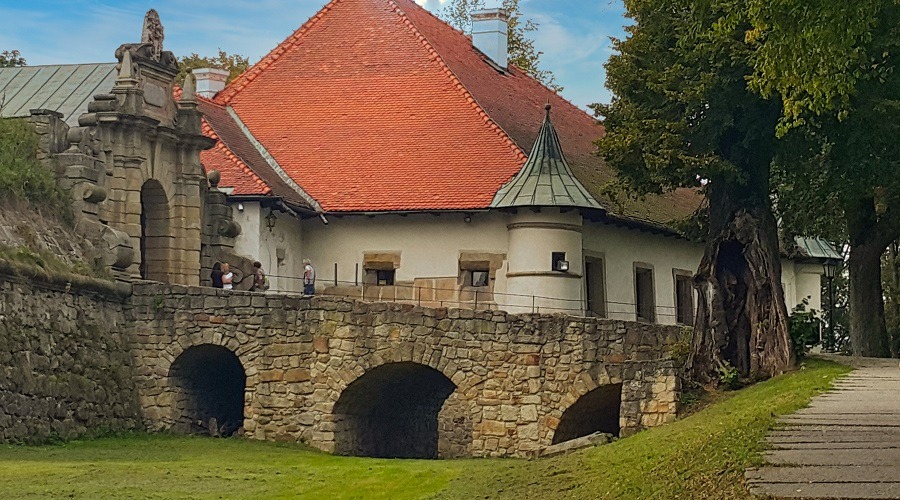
[
  {"x": 227, "y": 277},
  {"x": 260, "y": 281},
  {"x": 216, "y": 275},
  {"x": 309, "y": 278}
]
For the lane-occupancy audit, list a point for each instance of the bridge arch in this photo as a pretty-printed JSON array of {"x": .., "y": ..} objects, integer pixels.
[
  {"x": 598, "y": 410},
  {"x": 392, "y": 411},
  {"x": 209, "y": 384}
]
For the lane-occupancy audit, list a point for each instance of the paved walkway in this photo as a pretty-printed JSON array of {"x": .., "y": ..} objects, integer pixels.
[{"x": 845, "y": 445}]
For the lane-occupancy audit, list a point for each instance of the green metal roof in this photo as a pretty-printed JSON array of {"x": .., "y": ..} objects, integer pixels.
[
  {"x": 66, "y": 88},
  {"x": 815, "y": 248},
  {"x": 546, "y": 179}
]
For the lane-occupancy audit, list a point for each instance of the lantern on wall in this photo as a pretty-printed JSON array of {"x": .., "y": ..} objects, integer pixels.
[{"x": 271, "y": 219}]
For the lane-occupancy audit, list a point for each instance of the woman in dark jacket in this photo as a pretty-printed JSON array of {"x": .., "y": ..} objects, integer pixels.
[{"x": 216, "y": 275}]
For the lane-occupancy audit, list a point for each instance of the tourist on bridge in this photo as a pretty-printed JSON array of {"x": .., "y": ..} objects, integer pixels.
[
  {"x": 309, "y": 278},
  {"x": 260, "y": 280},
  {"x": 216, "y": 275},
  {"x": 227, "y": 277}
]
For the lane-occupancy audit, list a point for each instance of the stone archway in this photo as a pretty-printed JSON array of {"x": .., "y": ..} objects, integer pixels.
[
  {"x": 596, "y": 411},
  {"x": 156, "y": 233},
  {"x": 209, "y": 383},
  {"x": 392, "y": 412}
]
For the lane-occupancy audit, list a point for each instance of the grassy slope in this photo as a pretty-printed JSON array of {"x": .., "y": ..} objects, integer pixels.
[{"x": 702, "y": 456}]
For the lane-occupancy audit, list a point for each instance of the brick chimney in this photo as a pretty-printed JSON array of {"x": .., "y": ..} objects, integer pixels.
[
  {"x": 210, "y": 81},
  {"x": 490, "y": 32}
]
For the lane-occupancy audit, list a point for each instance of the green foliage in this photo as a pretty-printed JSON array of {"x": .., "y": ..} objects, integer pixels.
[
  {"x": 11, "y": 59},
  {"x": 702, "y": 456},
  {"x": 813, "y": 54},
  {"x": 835, "y": 66},
  {"x": 22, "y": 176},
  {"x": 804, "y": 327},
  {"x": 729, "y": 377},
  {"x": 234, "y": 63},
  {"x": 681, "y": 350},
  {"x": 891, "y": 273},
  {"x": 458, "y": 13},
  {"x": 682, "y": 113}
]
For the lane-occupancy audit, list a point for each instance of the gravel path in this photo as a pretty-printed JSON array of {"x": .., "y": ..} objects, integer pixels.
[{"x": 846, "y": 444}]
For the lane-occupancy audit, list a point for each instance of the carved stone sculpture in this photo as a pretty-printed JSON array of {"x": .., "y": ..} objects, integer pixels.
[{"x": 153, "y": 34}]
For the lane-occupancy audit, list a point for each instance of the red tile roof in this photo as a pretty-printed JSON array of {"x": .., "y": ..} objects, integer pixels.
[
  {"x": 235, "y": 173},
  {"x": 377, "y": 105},
  {"x": 363, "y": 114},
  {"x": 517, "y": 101},
  {"x": 242, "y": 166}
]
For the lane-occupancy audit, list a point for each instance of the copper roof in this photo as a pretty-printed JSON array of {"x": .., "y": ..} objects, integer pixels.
[{"x": 546, "y": 179}]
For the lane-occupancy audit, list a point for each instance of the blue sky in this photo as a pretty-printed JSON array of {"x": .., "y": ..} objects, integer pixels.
[{"x": 573, "y": 34}]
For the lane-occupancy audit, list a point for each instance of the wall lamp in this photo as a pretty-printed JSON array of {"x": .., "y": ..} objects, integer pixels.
[{"x": 271, "y": 219}]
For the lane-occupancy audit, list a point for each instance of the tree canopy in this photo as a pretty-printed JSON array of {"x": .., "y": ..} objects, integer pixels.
[
  {"x": 682, "y": 115},
  {"x": 522, "y": 53},
  {"x": 234, "y": 63},
  {"x": 836, "y": 69},
  {"x": 11, "y": 59}
]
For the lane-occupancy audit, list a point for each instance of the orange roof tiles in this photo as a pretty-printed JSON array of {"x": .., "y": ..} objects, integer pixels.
[
  {"x": 363, "y": 114},
  {"x": 377, "y": 105}
]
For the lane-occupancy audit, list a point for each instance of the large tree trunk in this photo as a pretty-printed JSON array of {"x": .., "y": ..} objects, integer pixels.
[
  {"x": 741, "y": 318},
  {"x": 868, "y": 333},
  {"x": 870, "y": 236}
]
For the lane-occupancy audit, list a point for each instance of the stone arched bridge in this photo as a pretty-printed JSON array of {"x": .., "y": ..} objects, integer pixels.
[{"x": 392, "y": 380}]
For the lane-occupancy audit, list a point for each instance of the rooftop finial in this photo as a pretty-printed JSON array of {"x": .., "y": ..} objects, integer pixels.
[
  {"x": 548, "y": 107},
  {"x": 153, "y": 34},
  {"x": 189, "y": 88}
]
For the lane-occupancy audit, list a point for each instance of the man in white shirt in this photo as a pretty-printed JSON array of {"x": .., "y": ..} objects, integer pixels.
[
  {"x": 227, "y": 277},
  {"x": 309, "y": 278}
]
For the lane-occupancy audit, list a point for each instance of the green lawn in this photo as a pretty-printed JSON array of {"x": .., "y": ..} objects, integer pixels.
[{"x": 702, "y": 456}]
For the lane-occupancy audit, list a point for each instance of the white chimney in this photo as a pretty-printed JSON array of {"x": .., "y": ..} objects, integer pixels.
[
  {"x": 490, "y": 35},
  {"x": 210, "y": 81}
]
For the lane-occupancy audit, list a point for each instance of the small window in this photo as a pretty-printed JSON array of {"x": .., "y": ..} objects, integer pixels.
[
  {"x": 559, "y": 262},
  {"x": 645, "y": 297},
  {"x": 384, "y": 278},
  {"x": 684, "y": 299},
  {"x": 479, "y": 277}
]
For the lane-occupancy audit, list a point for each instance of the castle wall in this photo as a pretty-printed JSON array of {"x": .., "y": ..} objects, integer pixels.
[{"x": 66, "y": 368}]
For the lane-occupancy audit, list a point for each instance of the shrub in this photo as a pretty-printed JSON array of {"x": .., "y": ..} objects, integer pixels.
[
  {"x": 22, "y": 175},
  {"x": 729, "y": 376},
  {"x": 803, "y": 327}
]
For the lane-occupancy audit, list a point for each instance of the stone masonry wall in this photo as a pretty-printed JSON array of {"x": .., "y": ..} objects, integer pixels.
[
  {"x": 513, "y": 375},
  {"x": 65, "y": 363}
]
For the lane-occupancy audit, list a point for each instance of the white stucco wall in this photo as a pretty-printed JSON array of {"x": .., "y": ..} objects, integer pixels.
[
  {"x": 430, "y": 247},
  {"x": 802, "y": 281},
  {"x": 279, "y": 250},
  {"x": 621, "y": 249}
]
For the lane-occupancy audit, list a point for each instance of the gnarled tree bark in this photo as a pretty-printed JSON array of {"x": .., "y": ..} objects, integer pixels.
[{"x": 742, "y": 320}]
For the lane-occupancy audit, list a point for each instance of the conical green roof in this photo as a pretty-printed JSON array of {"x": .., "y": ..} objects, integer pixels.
[{"x": 546, "y": 179}]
